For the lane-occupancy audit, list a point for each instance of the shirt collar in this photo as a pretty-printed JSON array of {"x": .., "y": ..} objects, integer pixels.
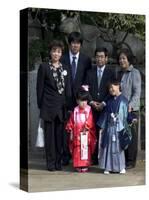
[
  {"x": 101, "y": 68},
  {"x": 51, "y": 65},
  {"x": 128, "y": 70},
  {"x": 72, "y": 55}
]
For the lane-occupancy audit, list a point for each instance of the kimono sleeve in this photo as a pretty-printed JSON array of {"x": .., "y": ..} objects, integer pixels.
[
  {"x": 90, "y": 122},
  {"x": 102, "y": 120},
  {"x": 90, "y": 125},
  {"x": 70, "y": 124},
  {"x": 122, "y": 116}
]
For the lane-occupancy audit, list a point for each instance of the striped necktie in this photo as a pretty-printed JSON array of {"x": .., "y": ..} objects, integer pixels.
[{"x": 99, "y": 77}]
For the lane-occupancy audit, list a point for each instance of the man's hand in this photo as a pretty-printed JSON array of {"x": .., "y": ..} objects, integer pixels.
[
  {"x": 94, "y": 104},
  {"x": 98, "y": 106},
  {"x": 130, "y": 108}
]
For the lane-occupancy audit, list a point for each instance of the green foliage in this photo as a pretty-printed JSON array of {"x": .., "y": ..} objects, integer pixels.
[
  {"x": 130, "y": 23},
  {"x": 50, "y": 19}
]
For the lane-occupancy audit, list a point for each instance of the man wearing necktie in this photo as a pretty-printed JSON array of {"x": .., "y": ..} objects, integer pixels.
[
  {"x": 77, "y": 62},
  {"x": 99, "y": 71},
  {"x": 97, "y": 79},
  {"x": 73, "y": 65},
  {"x": 78, "y": 65}
]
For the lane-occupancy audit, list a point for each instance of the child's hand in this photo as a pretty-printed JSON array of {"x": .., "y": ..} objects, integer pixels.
[
  {"x": 86, "y": 128},
  {"x": 100, "y": 131}
]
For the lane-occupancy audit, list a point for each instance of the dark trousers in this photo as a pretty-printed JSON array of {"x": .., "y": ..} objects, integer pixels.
[
  {"x": 53, "y": 143},
  {"x": 95, "y": 154},
  {"x": 66, "y": 152},
  {"x": 132, "y": 150}
]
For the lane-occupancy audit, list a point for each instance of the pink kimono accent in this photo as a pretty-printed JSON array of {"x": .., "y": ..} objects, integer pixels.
[{"x": 80, "y": 120}]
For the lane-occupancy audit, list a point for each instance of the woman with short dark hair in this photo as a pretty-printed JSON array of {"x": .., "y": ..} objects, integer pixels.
[
  {"x": 131, "y": 88},
  {"x": 53, "y": 92}
]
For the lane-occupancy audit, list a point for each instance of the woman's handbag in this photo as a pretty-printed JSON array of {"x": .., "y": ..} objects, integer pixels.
[{"x": 40, "y": 135}]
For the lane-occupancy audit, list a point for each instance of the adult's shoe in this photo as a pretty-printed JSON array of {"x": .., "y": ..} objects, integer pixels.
[{"x": 130, "y": 166}]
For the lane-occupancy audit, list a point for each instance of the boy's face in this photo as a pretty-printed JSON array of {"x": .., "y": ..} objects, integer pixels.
[
  {"x": 114, "y": 89},
  {"x": 81, "y": 104}
]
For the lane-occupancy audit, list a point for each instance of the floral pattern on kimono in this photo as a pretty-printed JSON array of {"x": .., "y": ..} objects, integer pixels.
[{"x": 80, "y": 120}]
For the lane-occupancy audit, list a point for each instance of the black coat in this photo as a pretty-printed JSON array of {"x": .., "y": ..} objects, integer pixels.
[
  {"x": 84, "y": 64},
  {"x": 50, "y": 102},
  {"x": 101, "y": 94}
]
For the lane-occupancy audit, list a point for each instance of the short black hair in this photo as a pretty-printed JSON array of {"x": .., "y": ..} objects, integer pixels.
[
  {"x": 127, "y": 53},
  {"x": 56, "y": 44},
  {"x": 102, "y": 49},
  {"x": 82, "y": 95},
  {"x": 75, "y": 37},
  {"x": 114, "y": 82}
]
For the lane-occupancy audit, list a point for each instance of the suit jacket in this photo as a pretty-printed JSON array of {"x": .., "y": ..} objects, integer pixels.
[
  {"x": 50, "y": 102},
  {"x": 101, "y": 94},
  {"x": 84, "y": 64}
]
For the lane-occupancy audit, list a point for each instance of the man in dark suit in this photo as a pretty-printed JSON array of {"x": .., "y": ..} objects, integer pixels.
[
  {"x": 78, "y": 64},
  {"x": 97, "y": 79}
]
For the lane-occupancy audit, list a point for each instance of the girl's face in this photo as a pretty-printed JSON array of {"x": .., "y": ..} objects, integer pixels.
[
  {"x": 82, "y": 104},
  {"x": 114, "y": 90},
  {"x": 123, "y": 61},
  {"x": 56, "y": 54}
]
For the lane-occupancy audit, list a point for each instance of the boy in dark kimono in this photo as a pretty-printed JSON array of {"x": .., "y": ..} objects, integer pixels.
[{"x": 111, "y": 122}]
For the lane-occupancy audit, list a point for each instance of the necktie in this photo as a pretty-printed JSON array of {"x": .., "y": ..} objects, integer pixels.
[
  {"x": 99, "y": 77},
  {"x": 73, "y": 65}
]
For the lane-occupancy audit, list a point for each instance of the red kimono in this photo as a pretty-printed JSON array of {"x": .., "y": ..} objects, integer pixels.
[{"x": 81, "y": 126}]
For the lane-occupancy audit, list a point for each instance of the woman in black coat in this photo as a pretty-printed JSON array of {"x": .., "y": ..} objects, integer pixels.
[{"x": 53, "y": 94}]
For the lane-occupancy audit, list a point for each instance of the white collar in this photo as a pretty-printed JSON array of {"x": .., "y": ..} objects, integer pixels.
[
  {"x": 101, "y": 68},
  {"x": 72, "y": 55}
]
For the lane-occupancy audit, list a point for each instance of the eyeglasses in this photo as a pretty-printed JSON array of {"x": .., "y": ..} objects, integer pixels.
[{"x": 102, "y": 56}]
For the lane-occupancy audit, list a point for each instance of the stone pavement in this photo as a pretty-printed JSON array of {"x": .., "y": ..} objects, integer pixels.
[{"x": 42, "y": 180}]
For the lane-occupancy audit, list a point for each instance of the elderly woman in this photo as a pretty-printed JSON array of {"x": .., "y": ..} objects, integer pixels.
[
  {"x": 53, "y": 93},
  {"x": 131, "y": 88}
]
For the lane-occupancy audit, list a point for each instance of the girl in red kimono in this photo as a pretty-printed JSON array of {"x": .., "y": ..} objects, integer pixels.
[{"x": 81, "y": 129}]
